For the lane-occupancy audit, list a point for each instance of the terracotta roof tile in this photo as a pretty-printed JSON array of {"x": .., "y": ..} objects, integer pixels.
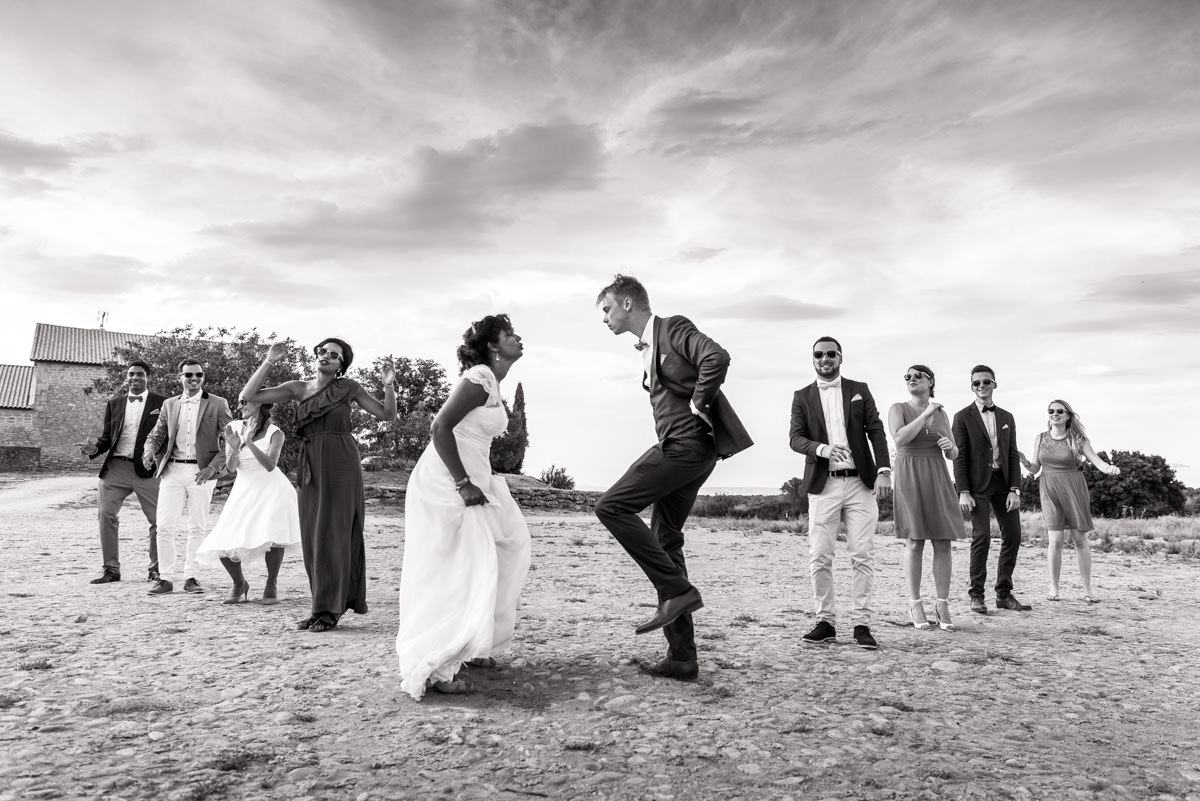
[
  {"x": 59, "y": 343},
  {"x": 16, "y": 386}
]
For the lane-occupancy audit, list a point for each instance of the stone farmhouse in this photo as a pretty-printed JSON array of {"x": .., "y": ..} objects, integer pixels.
[{"x": 43, "y": 409}]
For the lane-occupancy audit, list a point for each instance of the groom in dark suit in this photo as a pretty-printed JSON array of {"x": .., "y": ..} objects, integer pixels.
[
  {"x": 987, "y": 473},
  {"x": 128, "y": 419},
  {"x": 683, "y": 370},
  {"x": 836, "y": 425}
]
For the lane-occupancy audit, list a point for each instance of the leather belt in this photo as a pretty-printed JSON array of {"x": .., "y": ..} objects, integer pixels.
[
  {"x": 851, "y": 473},
  {"x": 123, "y": 458},
  {"x": 183, "y": 461}
]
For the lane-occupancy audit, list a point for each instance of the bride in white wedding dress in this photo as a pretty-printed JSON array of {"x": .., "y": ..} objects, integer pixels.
[{"x": 466, "y": 544}]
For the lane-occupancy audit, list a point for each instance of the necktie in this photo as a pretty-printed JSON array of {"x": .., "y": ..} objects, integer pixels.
[
  {"x": 134, "y": 399},
  {"x": 641, "y": 345},
  {"x": 834, "y": 384}
]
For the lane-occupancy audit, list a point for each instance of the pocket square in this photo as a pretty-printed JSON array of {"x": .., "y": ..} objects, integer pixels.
[
  {"x": 856, "y": 397},
  {"x": 1004, "y": 426}
]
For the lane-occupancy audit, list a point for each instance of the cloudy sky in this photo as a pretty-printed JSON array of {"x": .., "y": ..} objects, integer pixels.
[{"x": 1016, "y": 183}]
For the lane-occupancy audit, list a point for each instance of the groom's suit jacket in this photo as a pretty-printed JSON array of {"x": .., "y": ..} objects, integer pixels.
[
  {"x": 864, "y": 432},
  {"x": 973, "y": 465},
  {"x": 210, "y": 423},
  {"x": 690, "y": 367},
  {"x": 114, "y": 421}
]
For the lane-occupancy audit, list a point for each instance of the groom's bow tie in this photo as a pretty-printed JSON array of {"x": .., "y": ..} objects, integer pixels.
[
  {"x": 135, "y": 398},
  {"x": 987, "y": 409},
  {"x": 642, "y": 345},
  {"x": 834, "y": 384}
]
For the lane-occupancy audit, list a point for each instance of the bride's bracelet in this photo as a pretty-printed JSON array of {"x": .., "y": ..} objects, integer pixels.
[{"x": 460, "y": 484}]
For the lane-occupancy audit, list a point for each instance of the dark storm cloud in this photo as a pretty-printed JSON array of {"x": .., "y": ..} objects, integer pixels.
[{"x": 457, "y": 194}]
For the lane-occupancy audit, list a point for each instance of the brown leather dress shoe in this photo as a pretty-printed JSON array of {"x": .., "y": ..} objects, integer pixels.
[
  {"x": 671, "y": 669},
  {"x": 1011, "y": 602},
  {"x": 671, "y": 609}
]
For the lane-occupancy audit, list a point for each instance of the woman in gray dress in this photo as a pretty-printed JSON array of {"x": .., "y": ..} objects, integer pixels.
[
  {"x": 1058, "y": 452},
  {"x": 925, "y": 505}
]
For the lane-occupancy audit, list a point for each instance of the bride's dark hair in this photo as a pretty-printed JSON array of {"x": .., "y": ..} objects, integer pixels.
[{"x": 474, "y": 349}]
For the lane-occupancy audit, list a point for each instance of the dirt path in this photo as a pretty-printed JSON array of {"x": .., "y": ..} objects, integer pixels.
[{"x": 108, "y": 693}]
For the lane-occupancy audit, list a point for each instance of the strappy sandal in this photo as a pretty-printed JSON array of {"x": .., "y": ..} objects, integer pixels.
[
  {"x": 306, "y": 624},
  {"x": 454, "y": 687},
  {"x": 1087, "y": 599},
  {"x": 323, "y": 623},
  {"x": 944, "y": 625},
  {"x": 1053, "y": 597},
  {"x": 920, "y": 625}
]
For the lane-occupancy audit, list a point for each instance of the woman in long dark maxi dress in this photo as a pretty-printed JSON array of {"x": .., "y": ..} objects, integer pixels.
[{"x": 329, "y": 473}]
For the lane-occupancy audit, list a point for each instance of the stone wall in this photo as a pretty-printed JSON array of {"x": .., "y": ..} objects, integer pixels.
[
  {"x": 526, "y": 497},
  {"x": 17, "y": 429},
  {"x": 64, "y": 415},
  {"x": 19, "y": 459}
]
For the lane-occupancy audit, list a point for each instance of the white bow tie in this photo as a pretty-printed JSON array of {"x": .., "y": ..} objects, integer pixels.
[
  {"x": 834, "y": 384},
  {"x": 194, "y": 399}
]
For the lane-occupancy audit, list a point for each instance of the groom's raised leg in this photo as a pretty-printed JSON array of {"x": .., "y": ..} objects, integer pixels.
[{"x": 661, "y": 471}]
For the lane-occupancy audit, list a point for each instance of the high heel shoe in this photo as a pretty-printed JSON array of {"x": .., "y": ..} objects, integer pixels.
[
  {"x": 944, "y": 624},
  {"x": 923, "y": 624},
  {"x": 238, "y": 596}
]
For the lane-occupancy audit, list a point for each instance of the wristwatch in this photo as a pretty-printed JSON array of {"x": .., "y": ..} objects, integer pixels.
[{"x": 884, "y": 471}]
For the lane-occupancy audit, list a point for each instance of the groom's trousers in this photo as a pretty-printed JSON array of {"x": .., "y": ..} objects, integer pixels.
[{"x": 667, "y": 478}]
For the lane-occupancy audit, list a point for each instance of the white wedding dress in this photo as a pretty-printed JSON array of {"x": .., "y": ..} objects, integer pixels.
[
  {"x": 463, "y": 566},
  {"x": 260, "y": 513}
]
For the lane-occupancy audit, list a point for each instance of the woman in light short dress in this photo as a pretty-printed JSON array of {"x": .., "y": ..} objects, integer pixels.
[
  {"x": 925, "y": 506},
  {"x": 1058, "y": 452}
]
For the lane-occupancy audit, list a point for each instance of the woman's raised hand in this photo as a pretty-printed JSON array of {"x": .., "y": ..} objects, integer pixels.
[
  {"x": 389, "y": 372},
  {"x": 277, "y": 353},
  {"x": 232, "y": 436},
  {"x": 932, "y": 408}
]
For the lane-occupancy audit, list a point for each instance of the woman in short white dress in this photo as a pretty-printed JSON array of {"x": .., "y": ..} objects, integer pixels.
[
  {"x": 260, "y": 517},
  {"x": 466, "y": 544}
]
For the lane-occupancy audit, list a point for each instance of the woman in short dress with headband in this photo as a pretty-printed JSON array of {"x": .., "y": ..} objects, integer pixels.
[
  {"x": 925, "y": 506},
  {"x": 1058, "y": 452}
]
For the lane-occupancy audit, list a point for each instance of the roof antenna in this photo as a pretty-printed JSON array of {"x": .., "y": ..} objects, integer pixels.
[{"x": 102, "y": 316}]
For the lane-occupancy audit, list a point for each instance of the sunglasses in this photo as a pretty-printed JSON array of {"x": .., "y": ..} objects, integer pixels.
[
  {"x": 328, "y": 354},
  {"x": 192, "y": 375},
  {"x": 1056, "y": 411},
  {"x": 825, "y": 354},
  {"x": 987, "y": 382},
  {"x": 916, "y": 375}
]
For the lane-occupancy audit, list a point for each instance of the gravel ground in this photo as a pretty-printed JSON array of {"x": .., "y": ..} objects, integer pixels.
[{"x": 106, "y": 692}]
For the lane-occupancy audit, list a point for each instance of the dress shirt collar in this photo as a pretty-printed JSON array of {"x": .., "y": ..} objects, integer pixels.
[{"x": 647, "y": 334}]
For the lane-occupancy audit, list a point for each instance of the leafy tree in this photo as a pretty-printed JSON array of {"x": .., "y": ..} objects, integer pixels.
[
  {"x": 421, "y": 390},
  {"x": 798, "y": 500},
  {"x": 557, "y": 478},
  {"x": 229, "y": 357},
  {"x": 1147, "y": 486},
  {"x": 508, "y": 449}
]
